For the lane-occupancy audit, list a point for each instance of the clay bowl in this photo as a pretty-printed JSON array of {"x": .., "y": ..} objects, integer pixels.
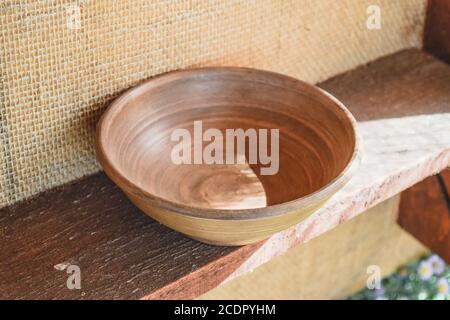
[{"x": 232, "y": 203}]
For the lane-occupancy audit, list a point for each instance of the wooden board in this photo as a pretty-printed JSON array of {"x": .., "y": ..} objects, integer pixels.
[
  {"x": 331, "y": 266},
  {"x": 406, "y": 83},
  {"x": 437, "y": 29},
  {"x": 444, "y": 178},
  {"x": 124, "y": 254},
  {"x": 121, "y": 252},
  {"x": 425, "y": 213}
]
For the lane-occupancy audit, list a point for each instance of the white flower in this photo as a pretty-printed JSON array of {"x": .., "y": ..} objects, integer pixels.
[
  {"x": 437, "y": 264},
  {"x": 443, "y": 287},
  {"x": 425, "y": 270},
  {"x": 379, "y": 293}
]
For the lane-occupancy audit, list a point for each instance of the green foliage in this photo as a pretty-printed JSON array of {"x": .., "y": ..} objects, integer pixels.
[{"x": 424, "y": 279}]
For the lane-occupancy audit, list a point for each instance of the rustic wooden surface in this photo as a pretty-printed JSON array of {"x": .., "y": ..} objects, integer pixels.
[
  {"x": 437, "y": 29},
  {"x": 406, "y": 83},
  {"x": 444, "y": 178},
  {"x": 425, "y": 213},
  {"x": 121, "y": 252},
  {"x": 124, "y": 254}
]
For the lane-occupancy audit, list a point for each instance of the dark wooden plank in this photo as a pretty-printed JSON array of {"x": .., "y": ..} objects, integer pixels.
[
  {"x": 121, "y": 252},
  {"x": 445, "y": 178},
  {"x": 403, "y": 84},
  {"x": 424, "y": 213},
  {"x": 437, "y": 29},
  {"x": 124, "y": 254}
]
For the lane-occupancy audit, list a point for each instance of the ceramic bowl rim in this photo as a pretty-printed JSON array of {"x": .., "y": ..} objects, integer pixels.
[{"x": 308, "y": 201}]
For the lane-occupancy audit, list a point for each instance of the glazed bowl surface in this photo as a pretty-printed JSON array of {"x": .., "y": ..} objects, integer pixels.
[{"x": 228, "y": 155}]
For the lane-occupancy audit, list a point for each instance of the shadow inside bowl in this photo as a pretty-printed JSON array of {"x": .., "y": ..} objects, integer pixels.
[{"x": 315, "y": 142}]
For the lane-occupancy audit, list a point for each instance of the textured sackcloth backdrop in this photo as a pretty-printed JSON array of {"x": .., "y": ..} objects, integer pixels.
[{"x": 59, "y": 72}]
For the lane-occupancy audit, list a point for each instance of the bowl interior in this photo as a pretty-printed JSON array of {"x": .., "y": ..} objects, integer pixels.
[{"x": 316, "y": 139}]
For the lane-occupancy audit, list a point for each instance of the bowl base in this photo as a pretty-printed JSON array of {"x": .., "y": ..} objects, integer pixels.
[{"x": 229, "y": 243}]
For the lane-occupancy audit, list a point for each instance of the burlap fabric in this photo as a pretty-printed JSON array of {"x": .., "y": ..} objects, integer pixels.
[{"x": 62, "y": 61}]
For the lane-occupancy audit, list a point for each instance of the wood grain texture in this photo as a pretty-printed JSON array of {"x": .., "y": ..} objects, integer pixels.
[
  {"x": 425, "y": 213},
  {"x": 124, "y": 254},
  {"x": 445, "y": 180},
  {"x": 437, "y": 29},
  {"x": 121, "y": 252},
  {"x": 403, "y": 84}
]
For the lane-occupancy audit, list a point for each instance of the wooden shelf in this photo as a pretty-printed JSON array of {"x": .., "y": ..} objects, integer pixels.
[{"x": 403, "y": 105}]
